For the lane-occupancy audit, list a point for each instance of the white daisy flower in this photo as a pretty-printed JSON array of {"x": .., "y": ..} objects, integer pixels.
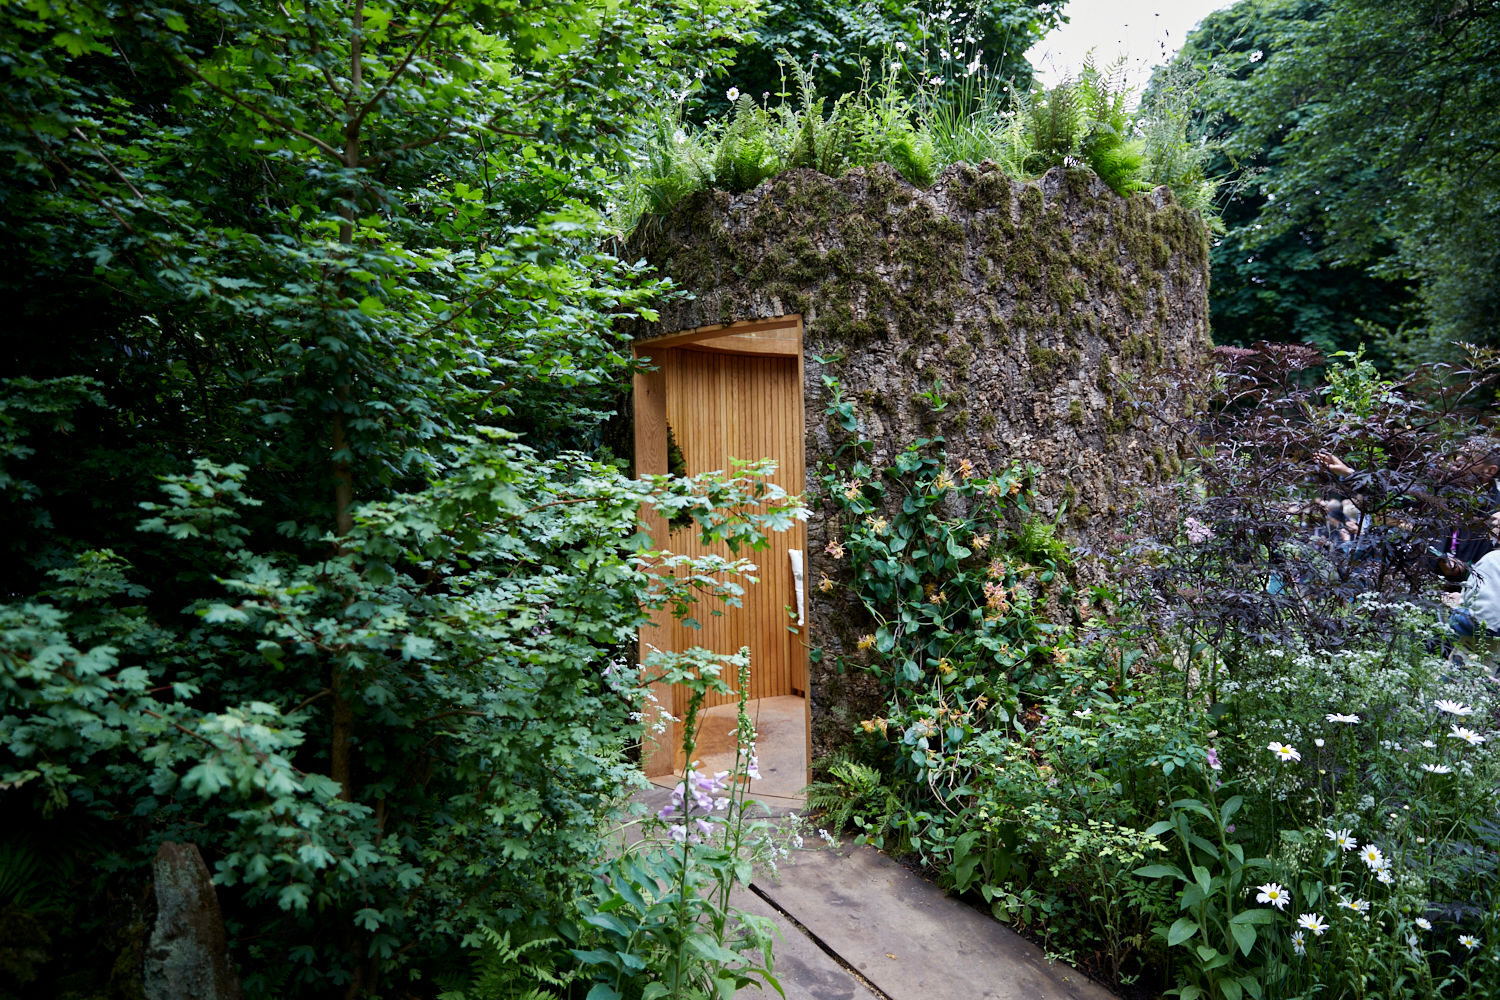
[
  {"x": 1084, "y": 713},
  {"x": 1371, "y": 856},
  {"x": 1453, "y": 707},
  {"x": 1437, "y": 768},
  {"x": 1384, "y": 876},
  {"x": 1340, "y": 717},
  {"x": 1313, "y": 922},
  {"x": 1424, "y": 923},
  {"x": 1299, "y": 943},
  {"x": 1342, "y": 839},
  {"x": 1469, "y": 941},
  {"x": 732, "y": 94},
  {"x": 1274, "y": 894},
  {"x": 1467, "y": 735},
  {"x": 1283, "y": 751}
]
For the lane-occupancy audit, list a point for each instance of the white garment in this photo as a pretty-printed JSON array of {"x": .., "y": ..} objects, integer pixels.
[{"x": 1481, "y": 592}]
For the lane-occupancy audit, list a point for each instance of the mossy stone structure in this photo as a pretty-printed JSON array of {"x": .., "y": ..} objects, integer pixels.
[{"x": 1022, "y": 322}]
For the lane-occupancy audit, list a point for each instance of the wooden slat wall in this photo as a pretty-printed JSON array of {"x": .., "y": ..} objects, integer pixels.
[
  {"x": 724, "y": 406},
  {"x": 658, "y": 756}
]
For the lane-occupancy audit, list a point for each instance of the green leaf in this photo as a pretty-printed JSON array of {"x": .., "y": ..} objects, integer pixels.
[
  {"x": 1181, "y": 930},
  {"x": 1253, "y": 917},
  {"x": 1160, "y": 871},
  {"x": 1244, "y": 935}
]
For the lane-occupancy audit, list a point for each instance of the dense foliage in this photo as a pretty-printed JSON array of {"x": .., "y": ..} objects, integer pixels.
[
  {"x": 1085, "y": 122},
  {"x": 1246, "y": 765},
  {"x": 840, "y": 42},
  {"x": 282, "y": 580},
  {"x": 1365, "y": 134}
]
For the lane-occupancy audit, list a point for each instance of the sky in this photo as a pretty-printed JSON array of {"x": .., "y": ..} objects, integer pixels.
[{"x": 1146, "y": 32}]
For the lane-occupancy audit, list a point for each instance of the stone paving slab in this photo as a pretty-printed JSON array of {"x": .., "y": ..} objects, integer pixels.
[
  {"x": 804, "y": 970},
  {"x": 909, "y": 938}
]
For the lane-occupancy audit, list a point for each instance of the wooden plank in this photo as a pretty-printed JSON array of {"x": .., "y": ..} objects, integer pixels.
[
  {"x": 799, "y": 644},
  {"x": 782, "y": 342},
  {"x": 657, "y": 753},
  {"x": 716, "y": 332}
]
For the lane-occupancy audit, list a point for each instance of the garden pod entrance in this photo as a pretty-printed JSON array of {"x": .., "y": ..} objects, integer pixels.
[{"x": 717, "y": 394}]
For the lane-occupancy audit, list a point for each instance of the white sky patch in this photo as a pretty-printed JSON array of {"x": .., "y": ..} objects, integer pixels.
[{"x": 1146, "y": 32}]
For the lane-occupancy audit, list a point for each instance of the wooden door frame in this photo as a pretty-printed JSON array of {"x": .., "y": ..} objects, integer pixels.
[{"x": 662, "y": 754}]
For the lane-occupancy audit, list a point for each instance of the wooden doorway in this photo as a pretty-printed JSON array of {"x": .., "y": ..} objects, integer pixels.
[{"x": 717, "y": 394}]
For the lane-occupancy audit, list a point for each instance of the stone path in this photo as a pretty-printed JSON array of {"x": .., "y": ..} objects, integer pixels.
[{"x": 855, "y": 925}]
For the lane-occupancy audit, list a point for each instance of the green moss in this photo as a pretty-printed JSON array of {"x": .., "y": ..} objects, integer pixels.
[
  {"x": 1044, "y": 360},
  {"x": 1075, "y": 413}
]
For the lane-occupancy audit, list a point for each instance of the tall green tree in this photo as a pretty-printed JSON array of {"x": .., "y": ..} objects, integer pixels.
[
  {"x": 839, "y": 41},
  {"x": 1374, "y": 123},
  {"x": 307, "y": 300},
  {"x": 1272, "y": 282}
]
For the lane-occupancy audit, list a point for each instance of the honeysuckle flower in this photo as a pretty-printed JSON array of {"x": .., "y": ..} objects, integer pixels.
[
  {"x": 865, "y": 642},
  {"x": 853, "y": 489},
  {"x": 1437, "y": 768},
  {"x": 1453, "y": 707},
  {"x": 1424, "y": 923},
  {"x": 733, "y": 94},
  {"x": 965, "y": 467},
  {"x": 943, "y": 481},
  {"x": 980, "y": 542},
  {"x": 1313, "y": 922},
  {"x": 835, "y": 548},
  {"x": 876, "y": 524},
  {"x": 1342, "y": 839},
  {"x": 1469, "y": 941},
  {"x": 1284, "y": 752},
  {"x": 826, "y": 584},
  {"x": 1371, "y": 856},
  {"x": 1467, "y": 735},
  {"x": 1340, "y": 717},
  {"x": 1299, "y": 943},
  {"x": 1273, "y": 893}
]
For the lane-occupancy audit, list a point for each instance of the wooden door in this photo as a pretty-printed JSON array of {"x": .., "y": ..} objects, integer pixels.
[{"x": 734, "y": 394}]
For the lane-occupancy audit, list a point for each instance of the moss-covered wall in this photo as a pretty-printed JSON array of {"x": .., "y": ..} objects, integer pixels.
[{"x": 1040, "y": 313}]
